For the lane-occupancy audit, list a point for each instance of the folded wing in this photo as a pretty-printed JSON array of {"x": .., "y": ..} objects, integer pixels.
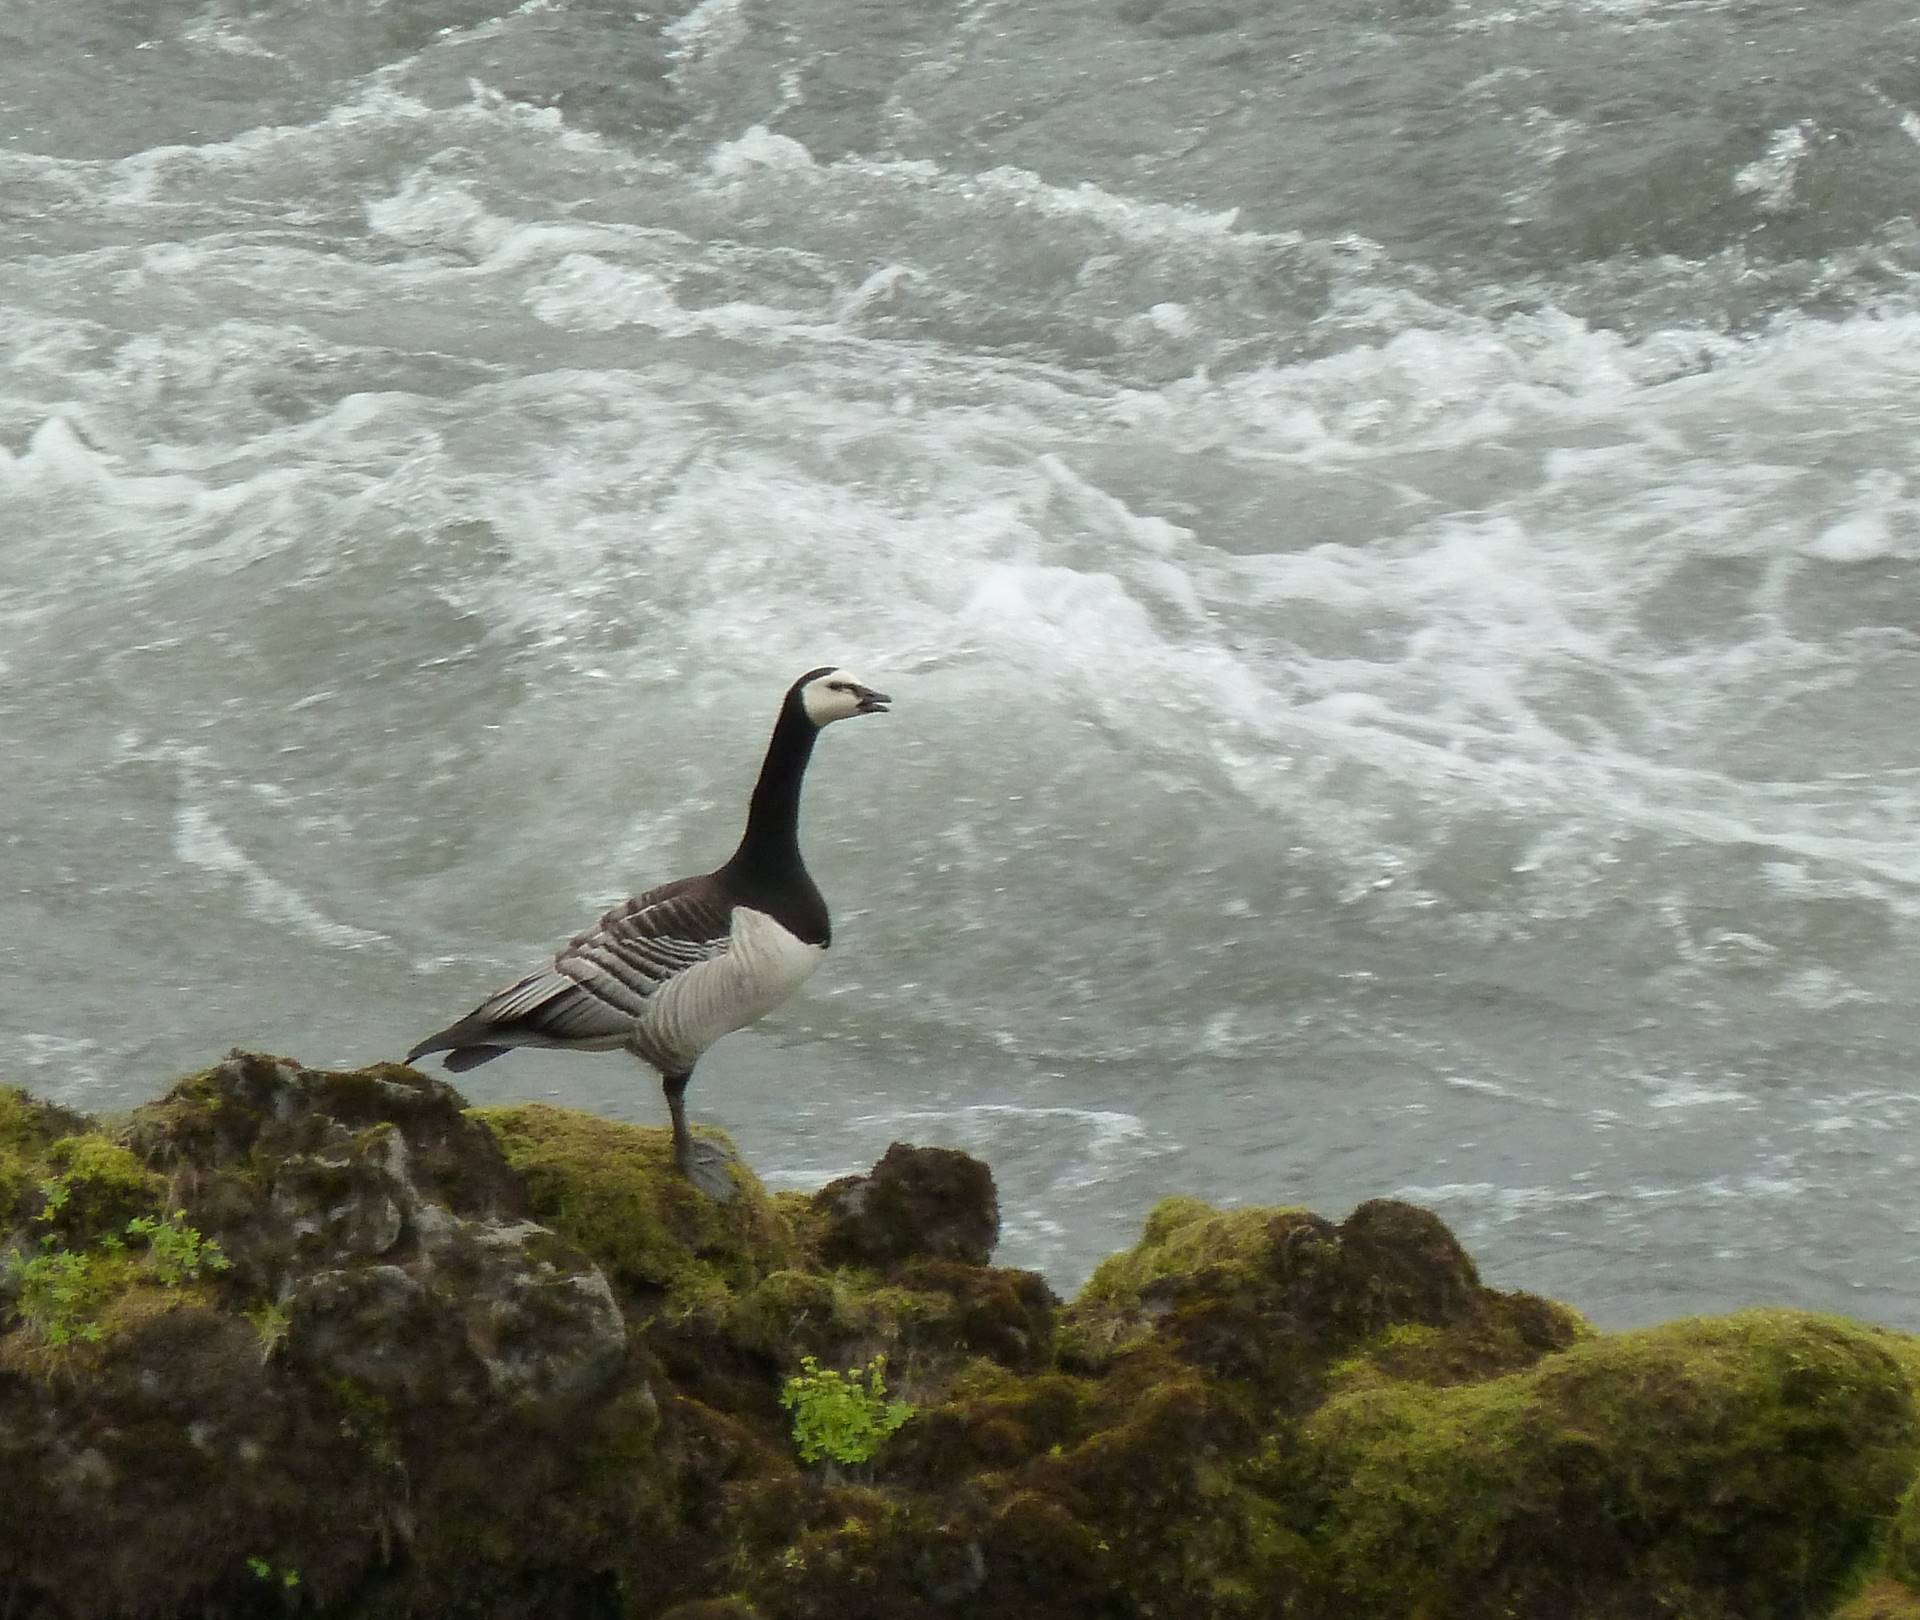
[{"x": 599, "y": 985}]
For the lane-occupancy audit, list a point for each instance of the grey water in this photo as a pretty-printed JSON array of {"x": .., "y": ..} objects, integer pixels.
[{"x": 1392, "y": 527}]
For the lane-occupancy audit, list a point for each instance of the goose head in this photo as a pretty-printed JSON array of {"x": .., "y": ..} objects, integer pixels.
[{"x": 829, "y": 693}]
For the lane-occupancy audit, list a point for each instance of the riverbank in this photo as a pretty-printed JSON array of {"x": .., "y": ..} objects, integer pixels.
[{"x": 292, "y": 1341}]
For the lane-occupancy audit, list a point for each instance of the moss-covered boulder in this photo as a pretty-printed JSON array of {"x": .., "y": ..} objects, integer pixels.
[
  {"x": 1892, "y": 1588},
  {"x": 390, "y": 1377},
  {"x": 332, "y": 1343},
  {"x": 1740, "y": 1467},
  {"x": 1881, "y": 1598},
  {"x": 916, "y": 1203},
  {"x": 1275, "y": 1300},
  {"x": 611, "y": 1189}
]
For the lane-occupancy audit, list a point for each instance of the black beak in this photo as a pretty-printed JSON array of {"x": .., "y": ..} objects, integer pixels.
[{"x": 872, "y": 702}]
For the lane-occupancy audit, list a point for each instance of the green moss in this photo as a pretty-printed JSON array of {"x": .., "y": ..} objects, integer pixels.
[
  {"x": 1900, "y": 1549},
  {"x": 613, "y": 1190},
  {"x": 19, "y": 1138},
  {"x": 1488, "y": 1345},
  {"x": 1254, "y": 1413},
  {"x": 1733, "y": 1466},
  {"x": 1904, "y": 1348},
  {"x": 1155, "y": 1479},
  {"x": 28, "y": 1129},
  {"x": 1183, "y": 1240},
  {"x": 993, "y": 1421},
  {"x": 78, "y": 1198},
  {"x": 1881, "y": 1599},
  {"x": 834, "y": 1313},
  {"x": 863, "y": 1554},
  {"x": 1182, "y": 1237},
  {"x": 620, "y": 1442},
  {"x": 807, "y": 1311},
  {"x": 1278, "y": 1301},
  {"x": 105, "y": 1185},
  {"x": 804, "y": 1220}
]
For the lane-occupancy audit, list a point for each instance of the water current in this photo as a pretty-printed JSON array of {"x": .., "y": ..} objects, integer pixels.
[{"x": 1392, "y": 526}]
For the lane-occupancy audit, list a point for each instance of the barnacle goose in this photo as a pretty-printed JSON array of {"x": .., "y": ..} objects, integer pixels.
[{"x": 666, "y": 974}]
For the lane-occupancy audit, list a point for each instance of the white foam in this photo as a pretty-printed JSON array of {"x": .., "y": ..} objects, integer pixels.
[
  {"x": 220, "y": 33},
  {"x": 77, "y": 1060},
  {"x": 1102, "y": 1139},
  {"x": 757, "y": 151},
  {"x": 56, "y": 460},
  {"x": 707, "y": 29},
  {"x": 1427, "y": 594},
  {"x": 1769, "y": 180},
  {"x": 1687, "y": 1091},
  {"x": 1501, "y": 1205},
  {"x": 1884, "y": 522}
]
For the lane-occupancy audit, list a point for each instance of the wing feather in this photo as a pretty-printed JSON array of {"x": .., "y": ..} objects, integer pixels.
[{"x": 600, "y": 982}]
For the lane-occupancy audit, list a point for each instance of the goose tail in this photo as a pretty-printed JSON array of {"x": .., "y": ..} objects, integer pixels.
[{"x": 459, "y": 1058}]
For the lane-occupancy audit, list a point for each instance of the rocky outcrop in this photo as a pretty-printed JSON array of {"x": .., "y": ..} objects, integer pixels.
[{"x": 333, "y": 1344}]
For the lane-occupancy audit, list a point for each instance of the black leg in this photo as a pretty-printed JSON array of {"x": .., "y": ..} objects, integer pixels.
[
  {"x": 676, "y": 1088},
  {"x": 707, "y": 1165}
]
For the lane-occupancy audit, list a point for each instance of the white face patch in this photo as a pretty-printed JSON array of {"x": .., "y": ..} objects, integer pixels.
[{"x": 832, "y": 696}]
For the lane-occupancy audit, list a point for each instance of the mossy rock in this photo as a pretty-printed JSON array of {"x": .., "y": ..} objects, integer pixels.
[
  {"x": 860, "y": 1553},
  {"x": 254, "y": 1112},
  {"x": 1156, "y": 1480},
  {"x": 612, "y": 1189},
  {"x": 73, "y": 1272},
  {"x": 1488, "y": 1344},
  {"x": 921, "y": 1315},
  {"x": 1273, "y": 1298},
  {"x": 1897, "y": 1571},
  {"x": 917, "y": 1203},
  {"x": 101, "y": 1184},
  {"x": 1041, "y": 1498},
  {"x": 1881, "y": 1599},
  {"x": 1737, "y": 1467},
  {"x": 1254, "y": 1413},
  {"x": 990, "y": 1422},
  {"x": 168, "y": 1443}
]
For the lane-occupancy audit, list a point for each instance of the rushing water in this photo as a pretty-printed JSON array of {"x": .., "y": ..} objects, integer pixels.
[{"x": 1392, "y": 527}]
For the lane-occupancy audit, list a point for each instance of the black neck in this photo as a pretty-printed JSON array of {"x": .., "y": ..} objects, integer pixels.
[{"x": 769, "y": 850}]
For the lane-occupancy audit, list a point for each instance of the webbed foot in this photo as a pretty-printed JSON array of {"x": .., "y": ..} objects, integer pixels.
[{"x": 709, "y": 1166}]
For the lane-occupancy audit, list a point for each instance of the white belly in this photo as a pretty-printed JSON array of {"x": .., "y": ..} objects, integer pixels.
[{"x": 762, "y": 966}]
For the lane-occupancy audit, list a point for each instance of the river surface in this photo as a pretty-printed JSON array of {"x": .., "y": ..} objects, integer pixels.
[{"x": 1393, "y": 527}]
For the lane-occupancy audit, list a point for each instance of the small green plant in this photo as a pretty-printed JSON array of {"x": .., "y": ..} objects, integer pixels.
[
  {"x": 60, "y": 1292},
  {"x": 264, "y": 1571},
  {"x": 56, "y": 1293},
  {"x": 841, "y": 1416},
  {"x": 270, "y": 1321},
  {"x": 176, "y": 1253},
  {"x": 56, "y": 1190}
]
